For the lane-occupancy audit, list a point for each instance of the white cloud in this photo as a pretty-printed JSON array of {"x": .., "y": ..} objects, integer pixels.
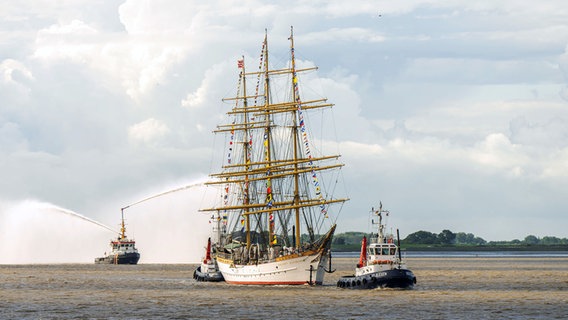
[
  {"x": 151, "y": 17},
  {"x": 344, "y": 35},
  {"x": 14, "y": 82},
  {"x": 149, "y": 131},
  {"x": 10, "y": 67},
  {"x": 75, "y": 41},
  {"x": 496, "y": 151},
  {"x": 137, "y": 63},
  {"x": 205, "y": 93}
]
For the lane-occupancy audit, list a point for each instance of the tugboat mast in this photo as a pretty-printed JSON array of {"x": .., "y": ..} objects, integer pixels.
[
  {"x": 381, "y": 229},
  {"x": 122, "y": 227}
]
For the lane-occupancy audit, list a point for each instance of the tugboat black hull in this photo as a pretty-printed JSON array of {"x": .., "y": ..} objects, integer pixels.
[
  {"x": 127, "y": 258},
  {"x": 211, "y": 277},
  {"x": 395, "y": 278}
]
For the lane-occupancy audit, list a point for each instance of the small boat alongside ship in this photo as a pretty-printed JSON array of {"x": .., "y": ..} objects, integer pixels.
[
  {"x": 380, "y": 262},
  {"x": 208, "y": 270},
  {"x": 123, "y": 250}
]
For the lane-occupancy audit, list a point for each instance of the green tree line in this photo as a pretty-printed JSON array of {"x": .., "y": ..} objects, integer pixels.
[
  {"x": 447, "y": 237},
  {"x": 352, "y": 240}
]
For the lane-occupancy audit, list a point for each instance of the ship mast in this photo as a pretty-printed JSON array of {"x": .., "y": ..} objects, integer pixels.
[
  {"x": 267, "y": 136},
  {"x": 246, "y": 154},
  {"x": 296, "y": 142}
]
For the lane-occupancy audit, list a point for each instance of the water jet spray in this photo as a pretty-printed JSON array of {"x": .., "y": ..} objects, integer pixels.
[
  {"x": 165, "y": 192},
  {"x": 74, "y": 214}
]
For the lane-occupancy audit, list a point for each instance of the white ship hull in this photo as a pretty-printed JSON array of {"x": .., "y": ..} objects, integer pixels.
[{"x": 289, "y": 270}]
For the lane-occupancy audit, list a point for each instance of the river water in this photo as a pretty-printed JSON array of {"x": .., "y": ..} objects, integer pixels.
[{"x": 530, "y": 287}]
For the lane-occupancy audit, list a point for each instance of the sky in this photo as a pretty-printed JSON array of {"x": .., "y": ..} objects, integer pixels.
[{"x": 453, "y": 114}]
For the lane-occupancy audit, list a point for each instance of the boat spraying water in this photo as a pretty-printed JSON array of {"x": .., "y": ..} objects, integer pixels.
[
  {"x": 33, "y": 231},
  {"x": 123, "y": 250}
]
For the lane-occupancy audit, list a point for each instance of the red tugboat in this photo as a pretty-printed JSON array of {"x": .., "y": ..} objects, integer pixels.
[
  {"x": 380, "y": 263},
  {"x": 208, "y": 270},
  {"x": 123, "y": 250}
]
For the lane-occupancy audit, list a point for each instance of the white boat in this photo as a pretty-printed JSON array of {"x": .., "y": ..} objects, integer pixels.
[
  {"x": 276, "y": 225},
  {"x": 380, "y": 262},
  {"x": 208, "y": 270}
]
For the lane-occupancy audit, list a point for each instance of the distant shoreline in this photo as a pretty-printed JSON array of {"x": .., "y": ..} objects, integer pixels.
[
  {"x": 351, "y": 248},
  {"x": 488, "y": 248}
]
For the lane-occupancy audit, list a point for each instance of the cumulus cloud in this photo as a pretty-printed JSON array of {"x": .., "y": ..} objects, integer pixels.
[
  {"x": 138, "y": 64},
  {"x": 497, "y": 151},
  {"x": 74, "y": 41},
  {"x": 149, "y": 131},
  {"x": 207, "y": 92},
  {"x": 14, "y": 82},
  {"x": 10, "y": 70}
]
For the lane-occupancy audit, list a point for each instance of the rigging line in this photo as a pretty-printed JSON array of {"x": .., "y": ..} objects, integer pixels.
[
  {"x": 303, "y": 130},
  {"x": 336, "y": 216},
  {"x": 259, "y": 75}
]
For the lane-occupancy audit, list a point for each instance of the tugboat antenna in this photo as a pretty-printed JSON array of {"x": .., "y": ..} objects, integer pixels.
[{"x": 398, "y": 243}]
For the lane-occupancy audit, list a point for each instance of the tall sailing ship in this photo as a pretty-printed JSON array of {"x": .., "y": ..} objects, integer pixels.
[{"x": 275, "y": 211}]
